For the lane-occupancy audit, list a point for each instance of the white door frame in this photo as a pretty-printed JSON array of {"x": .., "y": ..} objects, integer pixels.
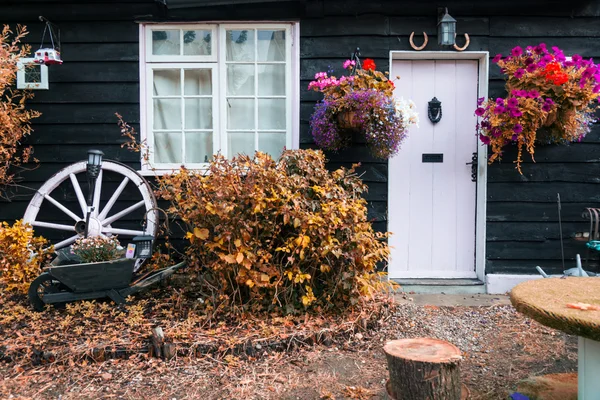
[{"x": 481, "y": 202}]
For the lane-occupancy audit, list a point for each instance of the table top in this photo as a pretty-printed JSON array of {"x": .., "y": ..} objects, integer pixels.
[{"x": 545, "y": 300}]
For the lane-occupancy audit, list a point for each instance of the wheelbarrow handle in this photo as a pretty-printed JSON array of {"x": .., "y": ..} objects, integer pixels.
[{"x": 151, "y": 279}]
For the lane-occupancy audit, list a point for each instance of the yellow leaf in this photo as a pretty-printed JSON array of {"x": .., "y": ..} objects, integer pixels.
[
  {"x": 229, "y": 258},
  {"x": 237, "y": 242},
  {"x": 189, "y": 235},
  {"x": 296, "y": 222},
  {"x": 201, "y": 233},
  {"x": 250, "y": 283},
  {"x": 286, "y": 219},
  {"x": 325, "y": 268},
  {"x": 239, "y": 258},
  {"x": 264, "y": 277}
]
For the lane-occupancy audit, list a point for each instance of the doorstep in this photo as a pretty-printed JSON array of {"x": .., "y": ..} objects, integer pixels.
[{"x": 441, "y": 286}]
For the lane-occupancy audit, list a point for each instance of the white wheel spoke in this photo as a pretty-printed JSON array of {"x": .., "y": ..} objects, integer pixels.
[
  {"x": 117, "y": 231},
  {"x": 51, "y": 225},
  {"x": 113, "y": 199},
  {"x": 79, "y": 193},
  {"x": 97, "y": 191},
  {"x": 66, "y": 242},
  {"x": 62, "y": 208},
  {"x": 122, "y": 213}
]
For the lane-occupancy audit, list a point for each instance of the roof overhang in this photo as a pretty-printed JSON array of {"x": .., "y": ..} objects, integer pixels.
[{"x": 173, "y": 4}]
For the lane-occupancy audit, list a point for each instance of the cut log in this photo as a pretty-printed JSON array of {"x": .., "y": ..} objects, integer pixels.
[{"x": 423, "y": 368}]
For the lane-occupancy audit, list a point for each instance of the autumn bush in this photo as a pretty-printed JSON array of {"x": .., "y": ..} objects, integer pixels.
[
  {"x": 21, "y": 256},
  {"x": 14, "y": 116},
  {"x": 285, "y": 235}
]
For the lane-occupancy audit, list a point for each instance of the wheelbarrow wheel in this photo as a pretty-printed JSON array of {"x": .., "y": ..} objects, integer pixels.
[{"x": 41, "y": 286}]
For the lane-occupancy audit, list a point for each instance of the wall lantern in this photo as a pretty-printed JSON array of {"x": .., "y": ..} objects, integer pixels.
[
  {"x": 446, "y": 29},
  {"x": 93, "y": 167}
]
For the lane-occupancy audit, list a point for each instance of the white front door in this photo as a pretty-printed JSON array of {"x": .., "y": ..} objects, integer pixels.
[{"x": 432, "y": 198}]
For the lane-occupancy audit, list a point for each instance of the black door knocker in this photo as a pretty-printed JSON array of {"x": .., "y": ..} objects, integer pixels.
[{"x": 434, "y": 111}]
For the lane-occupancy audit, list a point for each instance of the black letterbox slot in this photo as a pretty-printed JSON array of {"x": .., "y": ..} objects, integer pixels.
[{"x": 428, "y": 157}]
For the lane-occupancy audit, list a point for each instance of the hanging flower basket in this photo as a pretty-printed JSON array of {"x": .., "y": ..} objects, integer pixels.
[
  {"x": 348, "y": 120},
  {"x": 360, "y": 104},
  {"x": 550, "y": 100}
]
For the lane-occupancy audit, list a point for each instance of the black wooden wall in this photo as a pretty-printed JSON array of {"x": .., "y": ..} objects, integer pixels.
[{"x": 100, "y": 77}]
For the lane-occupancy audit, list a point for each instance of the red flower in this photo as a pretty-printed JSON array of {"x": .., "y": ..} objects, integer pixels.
[{"x": 369, "y": 64}]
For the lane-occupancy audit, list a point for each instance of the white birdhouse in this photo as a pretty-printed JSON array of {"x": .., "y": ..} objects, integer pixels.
[{"x": 47, "y": 56}]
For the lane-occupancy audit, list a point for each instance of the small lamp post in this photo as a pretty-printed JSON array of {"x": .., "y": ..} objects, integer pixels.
[
  {"x": 94, "y": 165},
  {"x": 446, "y": 29}
]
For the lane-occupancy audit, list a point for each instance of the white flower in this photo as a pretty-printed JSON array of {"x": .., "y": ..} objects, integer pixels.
[{"x": 408, "y": 112}]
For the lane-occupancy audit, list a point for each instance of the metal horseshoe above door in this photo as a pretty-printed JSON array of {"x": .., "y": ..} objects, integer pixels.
[{"x": 434, "y": 110}]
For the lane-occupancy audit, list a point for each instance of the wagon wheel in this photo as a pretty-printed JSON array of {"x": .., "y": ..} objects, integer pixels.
[
  {"x": 42, "y": 285},
  {"x": 100, "y": 223}
]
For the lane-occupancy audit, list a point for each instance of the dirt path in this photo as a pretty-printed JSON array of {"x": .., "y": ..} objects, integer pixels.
[{"x": 499, "y": 345}]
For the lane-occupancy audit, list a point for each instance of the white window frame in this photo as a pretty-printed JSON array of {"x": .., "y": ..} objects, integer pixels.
[
  {"x": 148, "y": 62},
  {"x": 22, "y": 84}
]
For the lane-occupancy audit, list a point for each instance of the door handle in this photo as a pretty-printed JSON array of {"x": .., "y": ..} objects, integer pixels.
[{"x": 473, "y": 165}]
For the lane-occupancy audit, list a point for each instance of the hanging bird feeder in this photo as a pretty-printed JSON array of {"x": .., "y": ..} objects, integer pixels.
[{"x": 49, "y": 55}]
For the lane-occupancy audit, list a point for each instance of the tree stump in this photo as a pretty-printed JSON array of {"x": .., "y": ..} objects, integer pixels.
[{"x": 423, "y": 368}]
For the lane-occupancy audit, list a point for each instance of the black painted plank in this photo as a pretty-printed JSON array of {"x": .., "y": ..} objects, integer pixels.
[
  {"x": 76, "y": 152},
  {"x": 546, "y": 172},
  {"x": 309, "y": 67},
  {"x": 377, "y": 211},
  {"x": 108, "y": 133},
  {"x": 522, "y": 26},
  {"x": 573, "y": 153},
  {"x": 94, "y": 72},
  {"x": 78, "y": 52},
  {"x": 403, "y": 26},
  {"x": 533, "y": 231},
  {"x": 549, "y": 266},
  {"x": 544, "y": 192},
  {"x": 93, "y": 92},
  {"x": 85, "y": 113},
  {"x": 372, "y": 24},
  {"x": 547, "y": 250},
  {"x": 461, "y": 8},
  {"x": 80, "y": 11},
  {"x": 536, "y": 212},
  {"x": 329, "y": 47},
  {"x": 584, "y": 46},
  {"x": 90, "y": 32}
]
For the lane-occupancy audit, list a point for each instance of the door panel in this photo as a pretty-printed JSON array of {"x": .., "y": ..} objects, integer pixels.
[{"x": 432, "y": 205}]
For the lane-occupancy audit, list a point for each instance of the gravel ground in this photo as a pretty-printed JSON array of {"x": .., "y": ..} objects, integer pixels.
[{"x": 500, "y": 347}]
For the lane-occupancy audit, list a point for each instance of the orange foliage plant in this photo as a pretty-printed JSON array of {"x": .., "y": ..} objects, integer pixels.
[
  {"x": 21, "y": 255},
  {"x": 14, "y": 116},
  {"x": 283, "y": 235}
]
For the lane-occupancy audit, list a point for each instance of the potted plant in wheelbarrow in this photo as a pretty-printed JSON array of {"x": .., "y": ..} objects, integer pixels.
[{"x": 95, "y": 267}]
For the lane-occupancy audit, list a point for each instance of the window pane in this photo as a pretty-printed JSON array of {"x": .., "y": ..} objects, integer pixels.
[
  {"x": 271, "y": 143},
  {"x": 198, "y": 147},
  {"x": 240, "y": 113},
  {"x": 198, "y": 113},
  {"x": 167, "y": 147},
  {"x": 271, "y": 113},
  {"x": 167, "y": 114},
  {"x": 240, "y": 80},
  {"x": 197, "y": 82},
  {"x": 271, "y": 80},
  {"x": 240, "y": 45},
  {"x": 167, "y": 82},
  {"x": 240, "y": 143},
  {"x": 271, "y": 45},
  {"x": 33, "y": 73},
  {"x": 166, "y": 42},
  {"x": 197, "y": 43}
]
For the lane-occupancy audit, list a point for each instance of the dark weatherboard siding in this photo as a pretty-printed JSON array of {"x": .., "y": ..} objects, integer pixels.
[{"x": 100, "y": 77}]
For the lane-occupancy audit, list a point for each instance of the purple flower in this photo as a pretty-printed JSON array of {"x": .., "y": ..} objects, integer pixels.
[
  {"x": 568, "y": 63},
  {"x": 518, "y": 128},
  {"x": 497, "y": 58},
  {"x": 540, "y": 49},
  {"x": 484, "y": 139},
  {"x": 480, "y": 101},
  {"x": 547, "y": 107},
  {"x": 541, "y": 64},
  {"x": 528, "y": 61},
  {"x": 531, "y": 67},
  {"x": 519, "y": 93},
  {"x": 515, "y": 137},
  {"x": 596, "y": 89},
  {"x": 515, "y": 113},
  {"x": 499, "y": 109},
  {"x": 547, "y": 58},
  {"x": 589, "y": 72},
  {"x": 486, "y": 124},
  {"x": 480, "y": 111},
  {"x": 519, "y": 73},
  {"x": 496, "y": 132},
  {"x": 500, "y": 101},
  {"x": 533, "y": 94},
  {"x": 517, "y": 51},
  {"x": 512, "y": 102}
]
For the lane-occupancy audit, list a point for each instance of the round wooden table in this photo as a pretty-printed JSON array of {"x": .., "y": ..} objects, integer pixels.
[{"x": 545, "y": 300}]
